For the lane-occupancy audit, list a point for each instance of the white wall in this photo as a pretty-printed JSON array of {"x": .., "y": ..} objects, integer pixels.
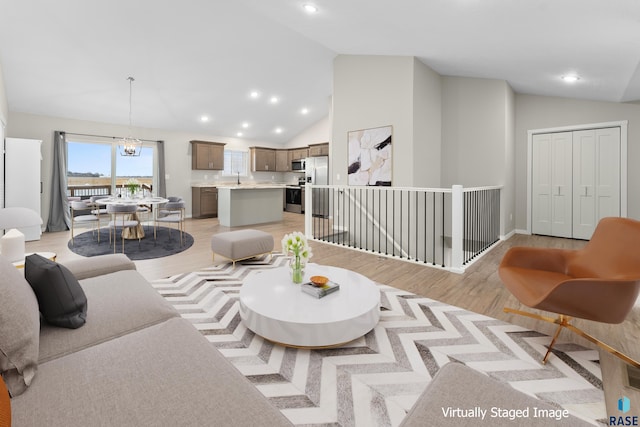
[
  {"x": 177, "y": 151},
  {"x": 4, "y": 108},
  {"x": 4, "y": 116},
  {"x": 369, "y": 92},
  {"x": 374, "y": 91},
  {"x": 540, "y": 112},
  {"x": 477, "y": 137},
  {"x": 508, "y": 200},
  {"x": 473, "y": 131},
  {"x": 427, "y": 126},
  {"x": 317, "y": 133}
]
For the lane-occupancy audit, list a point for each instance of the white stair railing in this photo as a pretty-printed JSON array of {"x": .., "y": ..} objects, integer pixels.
[{"x": 425, "y": 225}]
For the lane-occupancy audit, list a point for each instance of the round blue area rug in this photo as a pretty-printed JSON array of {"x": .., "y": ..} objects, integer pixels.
[{"x": 167, "y": 243}]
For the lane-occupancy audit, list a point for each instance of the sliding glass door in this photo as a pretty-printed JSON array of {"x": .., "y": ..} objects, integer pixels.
[
  {"x": 139, "y": 168},
  {"x": 97, "y": 168}
]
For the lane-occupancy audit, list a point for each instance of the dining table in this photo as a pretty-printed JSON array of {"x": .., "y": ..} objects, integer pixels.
[{"x": 150, "y": 201}]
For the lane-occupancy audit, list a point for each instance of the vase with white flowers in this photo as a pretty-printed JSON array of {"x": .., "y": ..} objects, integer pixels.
[
  {"x": 296, "y": 246},
  {"x": 133, "y": 185}
]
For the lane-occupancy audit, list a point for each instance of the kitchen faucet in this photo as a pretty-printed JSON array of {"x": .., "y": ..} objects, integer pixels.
[{"x": 238, "y": 177}]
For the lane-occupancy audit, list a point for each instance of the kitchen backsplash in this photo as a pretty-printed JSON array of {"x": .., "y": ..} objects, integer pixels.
[{"x": 216, "y": 177}]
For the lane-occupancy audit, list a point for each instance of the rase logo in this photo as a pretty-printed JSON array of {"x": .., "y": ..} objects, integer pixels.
[{"x": 624, "y": 405}]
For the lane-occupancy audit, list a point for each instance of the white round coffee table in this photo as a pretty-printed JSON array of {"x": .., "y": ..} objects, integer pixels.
[{"x": 272, "y": 306}]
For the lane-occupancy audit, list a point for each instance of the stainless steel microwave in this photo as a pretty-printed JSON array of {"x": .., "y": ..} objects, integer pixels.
[{"x": 297, "y": 165}]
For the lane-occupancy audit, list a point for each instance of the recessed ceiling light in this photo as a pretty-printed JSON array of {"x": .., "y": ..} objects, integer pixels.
[
  {"x": 274, "y": 100},
  {"x": 255, "y": 94},
  {"x": 239, "y": 134},
  {"x": 309, "y": 8},
  {"x": 245, "y": 125},
  {"x": 204, "y": 119},
  {"x": 304, "y": 111},
  {"x": 570, "y": 78},
  {"x": 278, "y": 130}
]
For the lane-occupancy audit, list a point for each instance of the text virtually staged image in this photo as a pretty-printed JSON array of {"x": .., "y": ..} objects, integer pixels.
[{"x": 308, "y": 213}]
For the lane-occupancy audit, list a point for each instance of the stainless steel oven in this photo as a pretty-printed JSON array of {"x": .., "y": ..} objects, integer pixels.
[{"x": 293, "y": 199}]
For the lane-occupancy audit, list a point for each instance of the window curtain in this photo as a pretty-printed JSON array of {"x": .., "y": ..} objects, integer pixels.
[
  {"x": 162, "y": 184},
  {"x": 59, "y": 215}
]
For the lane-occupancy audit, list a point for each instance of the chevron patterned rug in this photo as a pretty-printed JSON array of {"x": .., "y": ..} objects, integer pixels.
[{"x": 375, "y": 380}]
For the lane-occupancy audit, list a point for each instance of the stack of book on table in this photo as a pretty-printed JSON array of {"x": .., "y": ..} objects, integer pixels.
[{"x": 319, "y": 291}]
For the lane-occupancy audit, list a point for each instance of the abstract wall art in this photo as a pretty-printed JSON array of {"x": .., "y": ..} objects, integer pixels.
[{"x": 370, "y": 156}]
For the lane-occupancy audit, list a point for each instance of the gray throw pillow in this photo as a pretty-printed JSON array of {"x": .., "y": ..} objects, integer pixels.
[
  {"x": 61, "y": 300},
  {"x": 19, "y": 329}
]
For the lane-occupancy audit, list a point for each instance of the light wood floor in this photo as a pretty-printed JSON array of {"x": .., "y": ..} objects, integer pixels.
[{"x": 479, "y": 289}]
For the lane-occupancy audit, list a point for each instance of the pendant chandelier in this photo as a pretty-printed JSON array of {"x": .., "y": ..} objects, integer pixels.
[{"x": 130, "y": 146}]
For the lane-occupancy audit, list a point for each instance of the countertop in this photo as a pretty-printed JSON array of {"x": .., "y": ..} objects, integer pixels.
[
  {"x": 252, "y": 186},
  {"x": 234, "y": 186}
]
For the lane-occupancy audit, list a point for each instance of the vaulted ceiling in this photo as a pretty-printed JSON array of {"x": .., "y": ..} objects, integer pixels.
[{"x": 71, "y": 58}]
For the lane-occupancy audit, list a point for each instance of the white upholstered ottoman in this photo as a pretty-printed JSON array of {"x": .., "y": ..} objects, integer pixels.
[{"x": 241, "y": 244}]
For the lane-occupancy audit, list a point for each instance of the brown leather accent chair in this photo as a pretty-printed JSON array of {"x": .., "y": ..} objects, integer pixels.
[{"x": 600, "y": 282}]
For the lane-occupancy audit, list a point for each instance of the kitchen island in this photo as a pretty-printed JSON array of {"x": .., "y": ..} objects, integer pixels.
[{"x": 240, "y": 205}]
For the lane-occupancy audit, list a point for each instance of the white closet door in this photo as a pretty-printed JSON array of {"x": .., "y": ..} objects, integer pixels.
[
  {"x": 584, "y": 180},
  {"x": 541, "y": 184},
  {"x": 552, "y": 184},
  {"x": 596, "y": 174},
  {"x": 562, "y": 184},
  {"x": 607, "y": 173}
]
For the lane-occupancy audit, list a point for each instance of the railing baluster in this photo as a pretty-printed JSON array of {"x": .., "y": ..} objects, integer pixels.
[
  {"x": 366, "y": 228},
  {"x": 393, "y": 221},
  {"x": 346, "y": 207},
  {"x": 425, "y": 227},
  {"x": 433, "y": 237},
  {"x": 443, "y": 229},
  {"x": 379, "y": 220},
  {"x": 386, "y": 222},
  {"x": 401, "y": 221},
  {"x": 417, "y": 227}
]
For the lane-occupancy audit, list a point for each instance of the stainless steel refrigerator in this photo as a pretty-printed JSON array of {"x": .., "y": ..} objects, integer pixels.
[{"x": 317, "y": 172}]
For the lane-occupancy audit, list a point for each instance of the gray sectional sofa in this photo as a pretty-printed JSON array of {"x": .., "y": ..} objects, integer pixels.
[{"x": 136, "y": 362}]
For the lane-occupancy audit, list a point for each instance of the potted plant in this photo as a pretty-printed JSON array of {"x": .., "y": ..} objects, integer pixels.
[
  {"x": 132, "y": 186},
  {"x": 296, "y": 246}
]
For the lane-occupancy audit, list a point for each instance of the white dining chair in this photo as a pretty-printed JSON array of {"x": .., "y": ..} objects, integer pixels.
[
  {"x": 81, "y": 215},
  {"x": 122, "y": 217},
  {"x": 171, "y": 213}
]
